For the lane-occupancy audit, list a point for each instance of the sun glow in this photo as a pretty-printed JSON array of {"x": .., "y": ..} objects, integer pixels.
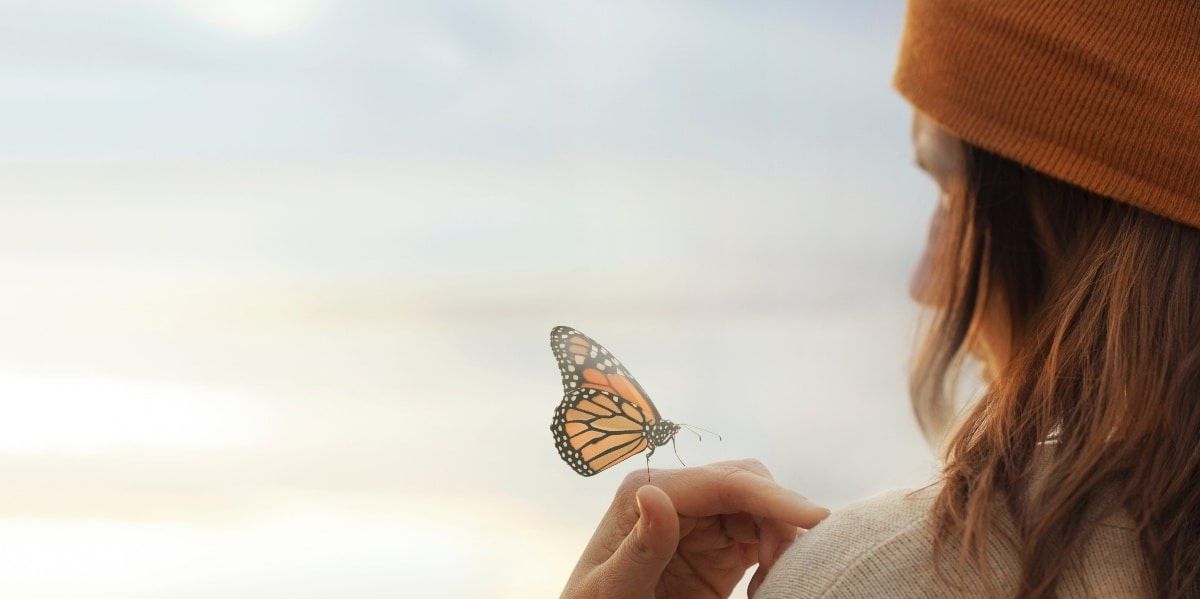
[
  {"x": 66, "y": 414},
  {"x": 257, "y": 17}
]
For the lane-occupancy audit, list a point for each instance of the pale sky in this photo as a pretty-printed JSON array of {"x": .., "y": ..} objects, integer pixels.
[{"x": 277, "y": 277}]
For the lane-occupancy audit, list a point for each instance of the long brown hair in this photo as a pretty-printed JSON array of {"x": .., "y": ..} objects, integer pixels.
[{"x": 1102, "y": 387}]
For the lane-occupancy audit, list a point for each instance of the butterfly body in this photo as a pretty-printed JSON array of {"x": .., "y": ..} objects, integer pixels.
[{"x": 605, "y": 415}]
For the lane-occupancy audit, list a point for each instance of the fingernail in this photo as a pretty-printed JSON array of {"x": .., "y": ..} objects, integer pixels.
[{"x": 643, "y": 521}]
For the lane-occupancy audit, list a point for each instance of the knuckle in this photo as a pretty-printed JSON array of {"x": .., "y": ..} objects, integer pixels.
[
  {"x": 753, "y": 465},
  {"x": 730, "y": 477},
  {"x": 632, "y": 482},
  {"x": 729, "y": 488}
]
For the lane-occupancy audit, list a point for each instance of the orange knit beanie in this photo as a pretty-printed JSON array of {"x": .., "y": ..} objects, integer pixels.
[{"x": 1104, "y": 94}]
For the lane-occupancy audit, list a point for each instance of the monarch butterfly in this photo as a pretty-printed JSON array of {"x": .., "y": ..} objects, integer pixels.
[{"x": 605, "y": 415}]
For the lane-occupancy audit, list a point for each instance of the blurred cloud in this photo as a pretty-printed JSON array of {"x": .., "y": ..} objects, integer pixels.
[
  {"x": 277, "y": 276},
  {"x": 256, "y": 17},
  {"x": 528, "y": 80}
]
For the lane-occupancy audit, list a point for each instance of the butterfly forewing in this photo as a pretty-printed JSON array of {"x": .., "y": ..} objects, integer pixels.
[{"x": 585, "y": 364}]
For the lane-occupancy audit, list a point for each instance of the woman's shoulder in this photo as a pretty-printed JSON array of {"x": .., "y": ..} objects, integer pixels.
[
  {"x": 882, "y": 539},
  {"x": 883, "y": 546}
]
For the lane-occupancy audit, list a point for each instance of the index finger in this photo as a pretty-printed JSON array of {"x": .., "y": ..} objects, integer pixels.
[{"x": 729, "y": 489}]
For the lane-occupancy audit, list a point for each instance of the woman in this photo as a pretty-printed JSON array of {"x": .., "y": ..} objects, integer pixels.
[{"x": 1064, "y": 256}]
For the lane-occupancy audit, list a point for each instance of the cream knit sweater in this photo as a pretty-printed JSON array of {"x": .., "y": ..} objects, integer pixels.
[{"x": 882, "y": 547}]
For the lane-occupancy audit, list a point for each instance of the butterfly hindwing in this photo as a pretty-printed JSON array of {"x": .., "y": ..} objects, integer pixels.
[
  {"x": 595, "y": 429},
  {"x": 585, "y": 364}
]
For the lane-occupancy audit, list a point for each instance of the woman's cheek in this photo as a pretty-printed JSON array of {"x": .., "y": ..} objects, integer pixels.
[{"x": 921, "y": 285}]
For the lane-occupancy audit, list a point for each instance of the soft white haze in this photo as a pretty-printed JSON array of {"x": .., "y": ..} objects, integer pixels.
[{"x": 277, "y": 277}]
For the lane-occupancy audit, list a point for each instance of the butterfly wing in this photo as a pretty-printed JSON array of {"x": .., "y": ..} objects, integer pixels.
[
  {"x": 595, "y": 429},
  {"x": 585, "y": 364}
]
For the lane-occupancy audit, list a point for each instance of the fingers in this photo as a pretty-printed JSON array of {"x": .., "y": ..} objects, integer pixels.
[
  {"x": 766, "y": 546},
  {"x": 637, "y": 564},
  {"x": 732, "y": 487},
  {"x": 740, "y": 527},
  {"x": 753, "y": 493},
  {"x": 749, "y": 554},
  {"x": 761, "y": 573},
  {"x": 774, "y": 535},
  {"x": 775, "y": 538}
]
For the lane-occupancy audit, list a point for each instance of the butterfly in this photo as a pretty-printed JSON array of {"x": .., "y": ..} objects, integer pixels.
[{"x": 605, "y": 415}]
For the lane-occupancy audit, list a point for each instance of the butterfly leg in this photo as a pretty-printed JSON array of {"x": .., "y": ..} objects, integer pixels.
[{"x": 676, "y": 449}]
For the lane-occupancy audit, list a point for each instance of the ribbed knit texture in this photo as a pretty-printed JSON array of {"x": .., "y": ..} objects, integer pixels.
[
  {"x": 1104, "y": 94},
  {"x": 883, "y": 547}
]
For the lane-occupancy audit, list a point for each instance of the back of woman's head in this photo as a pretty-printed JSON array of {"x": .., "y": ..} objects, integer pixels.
[{"x": 1100, "y": 392}]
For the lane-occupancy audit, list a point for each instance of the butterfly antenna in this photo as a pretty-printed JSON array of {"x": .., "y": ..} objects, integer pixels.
[
  {"x": 647, "y": 467},
  {"x": 676, "y": 450},
  {"x": 694, "y": 428}
]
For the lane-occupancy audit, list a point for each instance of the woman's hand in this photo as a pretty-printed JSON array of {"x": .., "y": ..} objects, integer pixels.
[{"x": 691, "y": 532}]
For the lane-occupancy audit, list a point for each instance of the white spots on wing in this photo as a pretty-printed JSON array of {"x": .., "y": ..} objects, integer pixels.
[{"x": 570, "y": 364}]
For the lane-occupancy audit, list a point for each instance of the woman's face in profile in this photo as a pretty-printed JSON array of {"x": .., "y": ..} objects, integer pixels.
[{"x": 941, "y": 156}]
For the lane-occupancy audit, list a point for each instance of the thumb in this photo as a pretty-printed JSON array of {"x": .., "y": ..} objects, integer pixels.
[{"x": 635, "y": 567}]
